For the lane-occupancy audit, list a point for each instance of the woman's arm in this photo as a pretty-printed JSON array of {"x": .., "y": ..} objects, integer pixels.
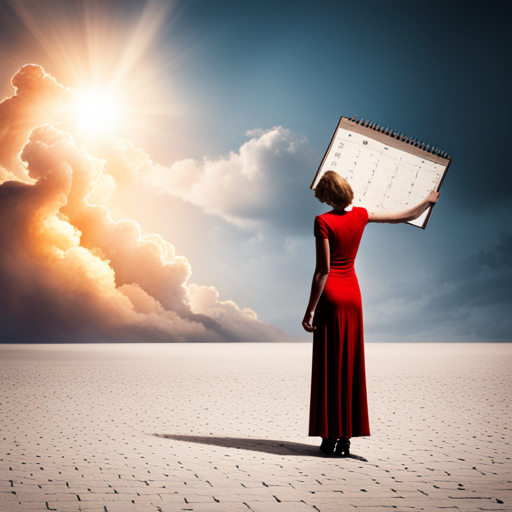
[
  {"x": 405, "y": 215},
  {"x": 319, "y": 280}
]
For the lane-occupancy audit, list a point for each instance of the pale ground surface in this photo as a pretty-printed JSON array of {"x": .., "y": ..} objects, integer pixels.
[{"x": 77, "y": 425}]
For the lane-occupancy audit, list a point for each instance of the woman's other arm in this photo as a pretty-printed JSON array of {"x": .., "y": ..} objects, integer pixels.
[
  {"x": 319, "y": 280},
  {"x": 405, "y": 215}
]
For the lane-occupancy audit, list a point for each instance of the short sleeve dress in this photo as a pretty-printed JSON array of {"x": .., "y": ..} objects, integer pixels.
[{"x": 338, "y": 389}]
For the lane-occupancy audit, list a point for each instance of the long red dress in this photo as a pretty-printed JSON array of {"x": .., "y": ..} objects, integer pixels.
[{"x": 338, "y": 389}]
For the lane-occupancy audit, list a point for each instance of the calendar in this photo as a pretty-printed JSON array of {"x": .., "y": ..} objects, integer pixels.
[{"x": 387, "y": 170}]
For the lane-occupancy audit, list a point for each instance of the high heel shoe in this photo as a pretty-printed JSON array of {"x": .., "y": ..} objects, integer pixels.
[
  {"x": 327, "y": 445},
  {"x": 343, "y": 447}
]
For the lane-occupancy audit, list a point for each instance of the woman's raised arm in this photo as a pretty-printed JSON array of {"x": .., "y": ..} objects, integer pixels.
[{"x": 405, "y": 215}]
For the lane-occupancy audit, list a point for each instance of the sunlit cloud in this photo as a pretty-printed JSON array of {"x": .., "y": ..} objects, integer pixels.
[{"x": 69, "y": 272}]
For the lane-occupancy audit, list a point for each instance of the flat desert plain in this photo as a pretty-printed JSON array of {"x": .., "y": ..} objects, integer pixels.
[{"x": 218, "y": 427}]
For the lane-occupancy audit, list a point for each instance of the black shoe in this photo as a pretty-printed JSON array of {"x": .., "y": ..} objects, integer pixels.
[
  {"x": 343, "y": 447},
  {"x": 327, "y": 445}
]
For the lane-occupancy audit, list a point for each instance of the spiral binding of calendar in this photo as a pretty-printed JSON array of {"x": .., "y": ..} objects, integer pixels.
[{"x": 399, "y": 136}]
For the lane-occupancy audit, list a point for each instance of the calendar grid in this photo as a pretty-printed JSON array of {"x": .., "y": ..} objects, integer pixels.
[{"x": 387, "y": 170}]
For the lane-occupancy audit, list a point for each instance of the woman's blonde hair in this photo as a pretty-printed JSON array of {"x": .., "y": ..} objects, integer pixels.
[{"x": 334, "y": 190}]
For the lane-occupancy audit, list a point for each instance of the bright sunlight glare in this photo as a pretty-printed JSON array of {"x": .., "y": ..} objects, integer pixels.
[
  {"x": 98, "y": 112},
  {"x": 112, "y": 55}
]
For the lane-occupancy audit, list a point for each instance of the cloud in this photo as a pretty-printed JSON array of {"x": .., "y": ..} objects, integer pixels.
[
  {"x": 205, "y": 299},
  {"x": 38, "y": 99},
  {"x": 264, "y": 185},
  {"x": 468, "y": 300},
  {"x": 68, "y": 271}
]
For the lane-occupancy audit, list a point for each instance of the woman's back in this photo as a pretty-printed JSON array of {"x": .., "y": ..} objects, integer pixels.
[{"x": 344, "y": 230}]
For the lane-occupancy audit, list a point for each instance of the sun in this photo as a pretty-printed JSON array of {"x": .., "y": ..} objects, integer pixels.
[
  {"x": 116, "y": 60},
  {"x": 98, "y": 112}
]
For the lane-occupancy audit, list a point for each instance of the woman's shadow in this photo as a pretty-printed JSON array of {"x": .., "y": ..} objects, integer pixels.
[{"x": 258, "y": 445}]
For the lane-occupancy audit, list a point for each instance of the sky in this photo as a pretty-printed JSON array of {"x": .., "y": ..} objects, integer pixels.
[{"x": 191, "y": 217}]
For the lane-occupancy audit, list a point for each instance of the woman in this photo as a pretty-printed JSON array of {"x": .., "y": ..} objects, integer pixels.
[{"x": 338, "y": 391}]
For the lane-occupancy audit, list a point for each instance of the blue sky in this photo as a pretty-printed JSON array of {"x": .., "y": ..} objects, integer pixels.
[{"x": 233, "y": 71}]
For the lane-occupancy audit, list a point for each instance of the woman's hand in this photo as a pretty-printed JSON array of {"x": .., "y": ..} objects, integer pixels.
[
  {"x": 307, "y": 322},
  {"x": 432, "y": 197}
]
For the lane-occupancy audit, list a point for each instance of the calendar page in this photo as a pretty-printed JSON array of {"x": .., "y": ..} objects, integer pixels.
[{"x": 387, "y": 170}]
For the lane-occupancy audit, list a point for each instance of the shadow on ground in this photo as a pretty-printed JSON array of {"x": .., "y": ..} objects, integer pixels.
[{"x": 257, "y": 445}]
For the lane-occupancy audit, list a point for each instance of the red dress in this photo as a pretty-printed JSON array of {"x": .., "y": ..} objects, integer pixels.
[{"x": 338, "y": 387}]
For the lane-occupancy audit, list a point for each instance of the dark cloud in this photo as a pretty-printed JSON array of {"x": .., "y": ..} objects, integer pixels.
[{"x": 468, "y": 300}]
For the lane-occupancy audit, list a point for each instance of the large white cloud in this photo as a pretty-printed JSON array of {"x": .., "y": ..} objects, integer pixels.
[{"x": 264, "y": 184}]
